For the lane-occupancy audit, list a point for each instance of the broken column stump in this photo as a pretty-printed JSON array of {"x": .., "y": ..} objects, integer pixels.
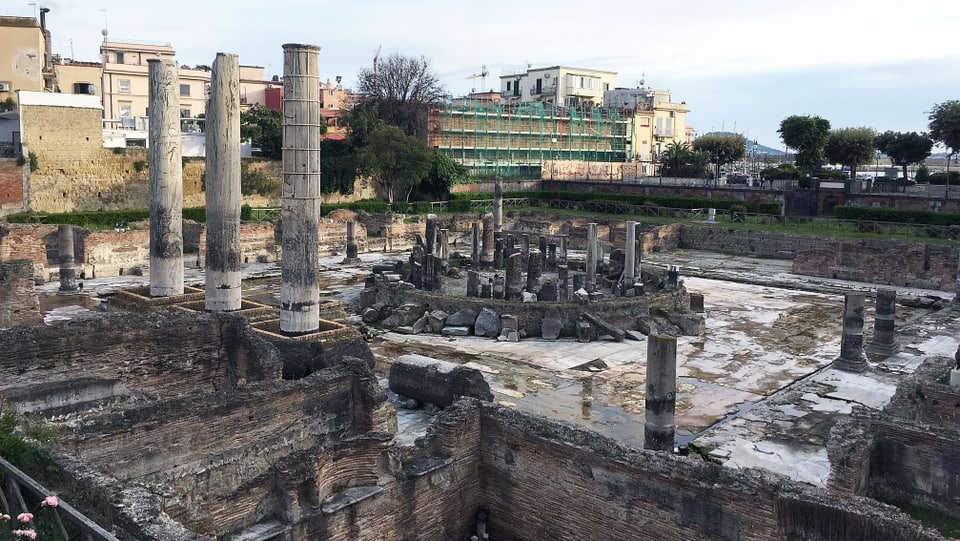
[
  {"x": 437, "y": 382},
  {"x": 884, "y": 342},
  {"x": 661, "y": 393},
  {"x": 852, "y": 358}
]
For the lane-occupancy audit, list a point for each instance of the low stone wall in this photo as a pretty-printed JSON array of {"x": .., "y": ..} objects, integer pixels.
[{"x": 716, "y": 238}]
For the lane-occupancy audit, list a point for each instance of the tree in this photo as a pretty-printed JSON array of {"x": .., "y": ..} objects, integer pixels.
[
  {"x": 338, "y": 166},
  {"x": 396, "y": 162},
  {"x": 722, "y": 148},
  {"x": 444, "y": 173},
  {"x": 403, "y": 89},
  {"x": 808, "y": 136},
  {"x": 851, "y": 147},
  {"x": 904, "y": 149},
  {"x": 679, "y": 160},
  {"x": 945, "y": 125},
  {"x": 264, "y": 128}
]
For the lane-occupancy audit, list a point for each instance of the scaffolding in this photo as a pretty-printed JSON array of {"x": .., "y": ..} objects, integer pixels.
[{"x": 513, "y": 140}]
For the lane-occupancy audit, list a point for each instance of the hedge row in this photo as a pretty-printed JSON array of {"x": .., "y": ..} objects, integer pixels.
[
  {"x": 667, "y": 201},
  {"x": 106, "y": 219},
  {"x": 906, "y": 216}
]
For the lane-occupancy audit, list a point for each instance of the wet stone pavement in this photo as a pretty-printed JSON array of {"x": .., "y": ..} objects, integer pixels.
[{"x": 756, "y": 390}]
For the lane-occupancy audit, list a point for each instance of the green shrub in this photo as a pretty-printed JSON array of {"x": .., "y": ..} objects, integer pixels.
[
  {"x": 197, "y": 214},
  {"x": 139, "y": 166},
  {"x": 33, "y": 161},
  {"x": 908, "y": 216},
  {"x": 254, "y": 181},
  {"x": 246, "y": 213},
  {"x": 769, "y": 207}
]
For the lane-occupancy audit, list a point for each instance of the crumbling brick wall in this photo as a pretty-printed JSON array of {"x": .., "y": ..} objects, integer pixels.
[
  {"x": 18, "y": 298},
  {"x": 11, "y": 186}
]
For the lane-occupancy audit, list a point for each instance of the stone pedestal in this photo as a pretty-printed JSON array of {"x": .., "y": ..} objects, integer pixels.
[
  {"x": 514, "y": 273},
  {"x": 352, "y": 250},
  {"x": 473, "y": 284},
  {"x": 955, "y": 377}
]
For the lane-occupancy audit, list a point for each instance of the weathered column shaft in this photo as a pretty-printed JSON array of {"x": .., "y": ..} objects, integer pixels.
[
  {"x": 591, "y": 270},
  {"x": 223, "y": 196},
  {"x": 68, "y": 268},
  {"x": 884, "y": 334},
  {"x": 630, "y": 254},
  {"x": 852, "y": 358},
  {"x": 475, "y": 245},
  {"x": 661, "y": 393},
  {"x": 166, "y": 179},
  {"x": 487, "y": 249},
  {"x": 444, "y": 240},
  {"x": 534, "y": 272},
  {"x": 498, "y": 204},
  {"x": 430, "y": 233},
  {"x": 514, "y": 264},
  {"x": 300, "y": 199},
  {"x": 562, "y": 250},
  {"x": 352, "y": 249}
]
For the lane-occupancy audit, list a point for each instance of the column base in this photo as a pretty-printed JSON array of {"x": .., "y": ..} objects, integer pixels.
[
  {"x": 883, "y": 350},
  {"x": 851, "y": 365},
  {"x": 955, "y": 377}
]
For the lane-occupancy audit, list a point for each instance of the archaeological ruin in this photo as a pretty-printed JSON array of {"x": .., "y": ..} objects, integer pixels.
[{"x": 495, "y": 374}]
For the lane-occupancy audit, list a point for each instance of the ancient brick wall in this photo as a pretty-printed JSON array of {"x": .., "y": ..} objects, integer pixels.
[
  {"x": 22, "y": 241},
  {"x": 11, "y": 186},
  {"x": 18, "y": 297},
  {"x": 930, "y": 266},
  {"x": 545, "y": 480},
  {"x": 163, "y": 356},
  {"x": 716, "y": 238}
]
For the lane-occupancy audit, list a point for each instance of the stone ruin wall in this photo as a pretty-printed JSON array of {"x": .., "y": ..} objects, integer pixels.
[
  {"x": 18, "y": 298},
  {"x": 550, "y": 480}
]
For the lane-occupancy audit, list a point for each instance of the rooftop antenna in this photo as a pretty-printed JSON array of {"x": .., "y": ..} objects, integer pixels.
[
  {"x": 34, "y": 4},
  {"x": 104, "y": 31}
]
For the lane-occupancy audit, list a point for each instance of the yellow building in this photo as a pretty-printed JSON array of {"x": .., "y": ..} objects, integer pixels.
[
  {"x": 658, "y": 121},
  {"x": 25, "y": 62}
]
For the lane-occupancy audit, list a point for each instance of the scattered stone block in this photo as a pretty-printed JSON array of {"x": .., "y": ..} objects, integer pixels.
[
  {"x": 635, "y": 335},
  {"x": 370, "y": 315},
  {"x": 646, "y": 326},
  {"x": 450, "y": 330},
  {"x": 616, "y": 332},
  {"x": 464, "y": 317},
  {"x": 529, "y": 297},
  {"x": 407, "y": 329},
  {"x": 435, "y": 320},
  {"x": 433, "y": 381},
  {"x": 696, "y": 302},
  {"x": 582, "y": 296},
  {"x": 421, "y": 324},
  {"x": 487, "y": 323}
]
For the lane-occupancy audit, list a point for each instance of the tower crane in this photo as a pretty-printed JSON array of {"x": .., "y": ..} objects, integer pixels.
[{"x": 482, "y": 76}]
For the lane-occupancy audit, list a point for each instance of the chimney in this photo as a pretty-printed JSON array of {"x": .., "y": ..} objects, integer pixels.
[{"x": 47, "y": 39}]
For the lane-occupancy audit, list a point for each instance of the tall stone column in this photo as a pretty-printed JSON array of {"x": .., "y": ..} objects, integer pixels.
[
  {"x": 661, "y": 393},
  {"x": 486, "y": 252},
  {"x": 514, "y": 272},
  {"x": 166, "y": 179},
  {"x": 630, "y": 255},
  {"x": 300, "y": 199},
  {"x": 562, "y": 250},
  {"x": 444, "y": 251},
  {"x": 534, "y": 272},
  {"x": 68, "y": 268},
  {"x": 498, "y": 204},
  {"x": 884, "y": 335},
  {"x": 430, "y": 234},
  {"x": 852, "y": 358},
  {"x": 591, "y": 271},
  {"x": 475, "y": 245},
  {"x": 223, "y": 197}
]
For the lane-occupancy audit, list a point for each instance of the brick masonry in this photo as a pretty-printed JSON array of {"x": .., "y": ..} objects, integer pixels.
[{"x": 18, "y": 298}]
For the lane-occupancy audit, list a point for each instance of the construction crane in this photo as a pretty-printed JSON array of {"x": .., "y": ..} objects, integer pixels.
[
  {"x": 482, "y": 76},
  {"x": 376, "y": 59}
]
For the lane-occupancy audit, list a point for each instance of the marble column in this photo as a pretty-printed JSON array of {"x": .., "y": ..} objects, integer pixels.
[
  {"x": 591, "y": 271},
  {"x": 68, "y": 268},
  {"x": 487, "y": 247},
  {"x": 884, "y": 340},
  {"x": 498, "y": 204},
  {"x": 630, "y": 255},
  {"x": 166, "y": 179},
  {"x": 852, "y": 358}
]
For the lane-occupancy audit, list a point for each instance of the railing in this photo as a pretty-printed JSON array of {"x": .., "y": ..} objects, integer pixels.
[
  {"x": 265, "y": 214},
  {"x": 69, "y": 523}
]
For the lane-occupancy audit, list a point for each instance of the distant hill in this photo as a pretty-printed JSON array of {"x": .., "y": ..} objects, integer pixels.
[{"x": 757, "y": 149}]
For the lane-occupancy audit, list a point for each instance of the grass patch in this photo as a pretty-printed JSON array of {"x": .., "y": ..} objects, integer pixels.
[{"x": 948, "y": 526}]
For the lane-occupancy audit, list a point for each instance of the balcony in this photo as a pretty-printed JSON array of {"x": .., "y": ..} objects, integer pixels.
[{"x": 552, "y": 89}]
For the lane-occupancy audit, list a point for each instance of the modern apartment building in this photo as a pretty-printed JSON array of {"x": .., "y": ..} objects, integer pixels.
[{"x": 561, "y": 86}]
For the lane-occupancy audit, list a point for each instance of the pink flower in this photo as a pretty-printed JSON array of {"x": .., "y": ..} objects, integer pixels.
[
  {"x": 4, "y": 517},
  {"x": 25, "y": 533},
  {"x": 50, "y": 501},
  {"x": 25, "y": 517}
]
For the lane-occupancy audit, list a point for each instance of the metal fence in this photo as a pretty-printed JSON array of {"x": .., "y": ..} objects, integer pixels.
[{"x": 68, "y": 522}]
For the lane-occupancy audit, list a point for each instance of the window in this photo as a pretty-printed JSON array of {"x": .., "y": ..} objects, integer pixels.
[
  {"x": 184, "y": 113},
  {"x": 184, "y": 90},
  {"x": 85, "y": 88},
  {"x": 124, "y": 85},
  {"x": 126, "y": 109},
  {"x": 508, "y": 86},
  {"x": 606, "y": 86},
  {"x": 120, "y": 58}
]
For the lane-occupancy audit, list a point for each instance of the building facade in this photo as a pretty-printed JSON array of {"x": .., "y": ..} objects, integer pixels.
[
  {"x": 24, "y": 57},
  {"x": 658, "y": 122},
  {"x": 561, "y": 86}
]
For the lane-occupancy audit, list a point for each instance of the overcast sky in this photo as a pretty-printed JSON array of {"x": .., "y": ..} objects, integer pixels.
[{"x": 742, "y": 65}]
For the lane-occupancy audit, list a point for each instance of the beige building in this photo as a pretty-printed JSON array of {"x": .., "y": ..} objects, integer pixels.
[
  {"x": 25, "y": 62},
  {"x": 658, "y": 121},
  {"x": 561, "y": 86}
]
